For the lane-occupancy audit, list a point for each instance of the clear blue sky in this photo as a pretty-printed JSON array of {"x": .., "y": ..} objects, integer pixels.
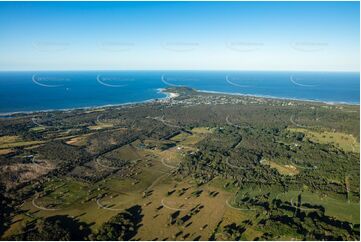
[{"x": 180, "y": 35}]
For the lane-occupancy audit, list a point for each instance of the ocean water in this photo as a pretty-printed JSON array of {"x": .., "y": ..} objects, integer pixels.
[{"x": 35, "y": 91}]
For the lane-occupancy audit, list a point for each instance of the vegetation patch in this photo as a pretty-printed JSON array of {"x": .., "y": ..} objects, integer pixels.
[{"x": 340, "y": 140}]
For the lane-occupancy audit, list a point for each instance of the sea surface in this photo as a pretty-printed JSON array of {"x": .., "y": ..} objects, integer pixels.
[{"x": 36, "y": 91}]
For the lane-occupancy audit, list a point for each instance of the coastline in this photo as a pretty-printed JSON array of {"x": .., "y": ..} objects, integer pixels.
[
  {"x": 170, "y": 95},
  {"x": 281, "y": 98}
]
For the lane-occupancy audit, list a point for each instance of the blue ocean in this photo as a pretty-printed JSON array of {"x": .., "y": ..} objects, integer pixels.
[{"x": 35, "y": 91}]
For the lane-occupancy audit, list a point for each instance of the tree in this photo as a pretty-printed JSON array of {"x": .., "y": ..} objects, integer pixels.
[{"x": 123, "y": 226}]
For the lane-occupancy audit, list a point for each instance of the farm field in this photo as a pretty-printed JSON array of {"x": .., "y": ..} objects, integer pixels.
[{"x": 344, "y": 141}]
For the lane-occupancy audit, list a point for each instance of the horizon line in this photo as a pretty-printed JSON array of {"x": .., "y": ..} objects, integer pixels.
[{"x": 149, "y": 70}]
